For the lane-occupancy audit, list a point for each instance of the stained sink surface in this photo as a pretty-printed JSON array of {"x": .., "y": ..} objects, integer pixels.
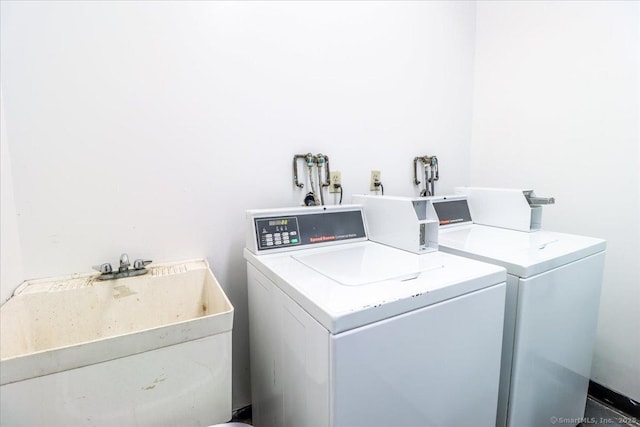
[{"x": 67, "y": 322}]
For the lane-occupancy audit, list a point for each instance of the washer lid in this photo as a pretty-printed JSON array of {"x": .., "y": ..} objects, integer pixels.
[
  {"x": 523, "y": 254},
  {"x": 361, "y": 265},
  {"x": 355, "y": 284}
]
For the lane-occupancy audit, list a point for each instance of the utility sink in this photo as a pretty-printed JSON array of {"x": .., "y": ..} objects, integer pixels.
[{"x": 51, "y": 326}]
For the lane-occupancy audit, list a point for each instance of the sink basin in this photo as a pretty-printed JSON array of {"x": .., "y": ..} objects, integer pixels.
[{"x": 52, "y": 327}]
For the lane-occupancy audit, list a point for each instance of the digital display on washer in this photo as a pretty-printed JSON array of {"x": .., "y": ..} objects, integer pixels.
[
  {"x": 452, "y": 211},
  {"x": 308, "y": 229}
]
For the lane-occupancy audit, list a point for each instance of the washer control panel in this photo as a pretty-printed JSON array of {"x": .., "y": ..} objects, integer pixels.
[
  {"x": 277, "y": 232},
  {"x": 304, "y": 229}
]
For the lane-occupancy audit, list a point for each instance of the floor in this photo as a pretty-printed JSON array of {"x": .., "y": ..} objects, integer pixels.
[
  {"x": 596, "y": 414},
  {"x": 601, "y": 414}
]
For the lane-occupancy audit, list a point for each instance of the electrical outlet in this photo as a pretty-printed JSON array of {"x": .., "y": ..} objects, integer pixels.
[
  {"x": 334, "y": 178},
  {"x": 375, "y": 177}
]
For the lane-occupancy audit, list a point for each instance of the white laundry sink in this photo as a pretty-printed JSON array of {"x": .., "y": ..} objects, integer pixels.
[{"x": 161, "y": 332}]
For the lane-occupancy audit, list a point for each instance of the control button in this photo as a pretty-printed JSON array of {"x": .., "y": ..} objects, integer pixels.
[
  {"x": 286, "y": 242},
  {"x": 285, "y": 234},
  {"x": 269, "y": 235},
  {"x": 293, "y": 233},
  {"x": 278, "y": 242},
  {"x": 294, "y": 240},
  {"x": 276, "y": 235},
  {"x": 269, "y": 243}
]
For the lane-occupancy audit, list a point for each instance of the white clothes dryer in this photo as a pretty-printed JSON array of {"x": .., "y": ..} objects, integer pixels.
[
  {"x": 554, "y": 282},
  {"x": 347, "y": 332},
  {"x": 553, "y": 294}
]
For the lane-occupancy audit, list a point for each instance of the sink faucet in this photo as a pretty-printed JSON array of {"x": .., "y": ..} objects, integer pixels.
[
  {"x": 107, "y": 273},
  {"x": 124, "y": 263}
]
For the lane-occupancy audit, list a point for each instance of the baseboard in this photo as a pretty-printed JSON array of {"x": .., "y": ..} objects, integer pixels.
[
  {"x": 618, "y": 401},
  {"x": 241, "y": 414}
]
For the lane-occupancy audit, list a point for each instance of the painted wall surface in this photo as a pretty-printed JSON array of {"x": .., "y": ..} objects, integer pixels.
[
  {"x": 556, "y": 109},
  {"x": 149, "y": 127},
  {"x": 11, "y": 273}
]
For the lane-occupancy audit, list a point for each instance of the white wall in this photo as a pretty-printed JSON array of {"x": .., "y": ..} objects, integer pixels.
[
  {"x": 11, "y": 273},
  {"x": 150, "y": 127},
  {"x": 556, "y": 110}
]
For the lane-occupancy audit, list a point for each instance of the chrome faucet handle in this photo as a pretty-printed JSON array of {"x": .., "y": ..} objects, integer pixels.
[
  {"x": 139, "y": 264},
  {"x": 103, "y": 268}
]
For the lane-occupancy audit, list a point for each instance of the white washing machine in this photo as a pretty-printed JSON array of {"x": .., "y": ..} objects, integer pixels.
[
  {"x": 348, "y": 332},
  {"x": 553, "y": 296}
]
